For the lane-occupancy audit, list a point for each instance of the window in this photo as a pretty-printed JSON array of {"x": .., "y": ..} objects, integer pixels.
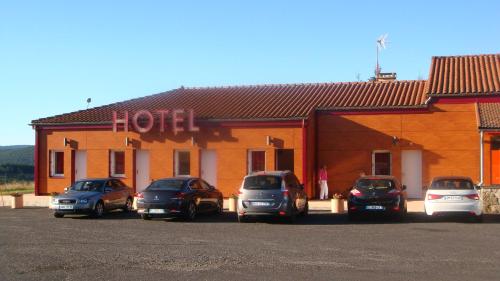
[
  {"x": 57, "y": 163},
  {"x": 205, "y": 185},
  {"x": 262, "y": 182},
  {"x": 117, "y": 163},
  {"x": 118, "y": 185},
  {"x": 256, "y": 161},
  {"x": 381, "y": 161},
  {"x": 284, "y": 160},
  {"x": 182, "y": 163},
  {"x": 195, "y": 185}
]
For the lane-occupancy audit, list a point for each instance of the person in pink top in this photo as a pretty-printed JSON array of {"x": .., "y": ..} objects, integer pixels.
[{"x": 323, "y": 183}]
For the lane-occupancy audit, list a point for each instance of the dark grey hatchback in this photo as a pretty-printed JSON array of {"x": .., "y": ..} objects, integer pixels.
[
  {"x": 182, "y": 196},
  {"x": 273, "y": 193}
]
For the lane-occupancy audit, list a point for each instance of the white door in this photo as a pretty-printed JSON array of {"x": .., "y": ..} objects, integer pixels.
[
  {"x": 80, "y": 164},
  {"x": 411, "y": 161},
  {"x": 209, "y": 166},
  {"x": 142, "y": 179}
]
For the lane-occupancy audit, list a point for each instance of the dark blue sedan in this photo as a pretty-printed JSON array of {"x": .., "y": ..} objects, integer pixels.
[{"x": 180, "y": 197}]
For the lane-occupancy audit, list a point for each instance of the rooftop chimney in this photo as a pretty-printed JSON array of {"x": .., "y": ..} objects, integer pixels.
[{"x": 386, "y": 77}]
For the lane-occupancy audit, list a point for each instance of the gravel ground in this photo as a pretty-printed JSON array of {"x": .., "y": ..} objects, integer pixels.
[{"x": 36, "y": 246}]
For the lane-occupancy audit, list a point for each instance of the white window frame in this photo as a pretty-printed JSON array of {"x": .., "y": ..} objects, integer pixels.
[
  {"x": 249, "y": 159},
  {"x": 53, "y": 163},
  {"x": 112, "y": 163},
  {"x": 373, "y": 160},
  {"x": 176, "y": 161}
]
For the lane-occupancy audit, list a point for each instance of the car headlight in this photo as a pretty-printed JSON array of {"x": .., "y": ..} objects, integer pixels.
[{"x": 84, "y": 201}]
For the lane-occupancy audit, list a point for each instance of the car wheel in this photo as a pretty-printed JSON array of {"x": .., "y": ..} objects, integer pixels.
[
  {"x": 305, "y": 212},
  {"x": 242, "y": 219},
  {"x": 98, "y": 210},
  {"x": 191, "y": 212},
  {"x": 220, "y": 207},
  {"x": 58, "y": 215},
  {"x": 293, "y": 215},
  {"x": 478, "y": 219},
  {"x": 128, "y": 205},
  {"x": 145, "y": 217},
  {"x": 352, "y": 217}
]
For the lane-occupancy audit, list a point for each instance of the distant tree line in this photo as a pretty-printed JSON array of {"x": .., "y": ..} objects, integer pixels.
[
  {"x": 16, "y": 172},
  {"x": 17, "y": 154}
]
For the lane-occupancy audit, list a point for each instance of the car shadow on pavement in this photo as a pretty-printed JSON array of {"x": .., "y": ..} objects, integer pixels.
[
  {"x": 113, "y": 215},
  {"x": 314, "y": 218}
]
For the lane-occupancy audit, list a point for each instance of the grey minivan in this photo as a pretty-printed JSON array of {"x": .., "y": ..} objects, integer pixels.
[{"x": 272, "y": 193}]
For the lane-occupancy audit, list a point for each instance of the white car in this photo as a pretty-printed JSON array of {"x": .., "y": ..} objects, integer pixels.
[{"x": 453, "y": 195}]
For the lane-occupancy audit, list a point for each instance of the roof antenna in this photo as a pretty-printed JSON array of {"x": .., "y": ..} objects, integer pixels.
[
  {"x": 89, "y": 100},
  {"x": 381, "y": 44}
]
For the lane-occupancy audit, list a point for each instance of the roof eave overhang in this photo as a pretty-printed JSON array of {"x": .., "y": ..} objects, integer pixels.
[
  {"x": 469, "y": 95},
  {"x": 218, "y": 120}
]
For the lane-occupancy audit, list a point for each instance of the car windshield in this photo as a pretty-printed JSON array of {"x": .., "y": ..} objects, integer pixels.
[
  {"x": 375, "y": 184},
  {"x": 452, "y": 184},
  {"x": 87, "y": 186},
  {"x": 262, "y": 182},
  {"x": 168, "y": 185}
]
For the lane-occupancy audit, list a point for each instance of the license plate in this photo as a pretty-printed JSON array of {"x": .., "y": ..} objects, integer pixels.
[
  {"x": 157, "y": 211},
  {"x": 374, "y": 207},
  {"x": 66, "y": 207},
  {"x": 452, "y": 197},
  {"x": 261, "y": 204}
]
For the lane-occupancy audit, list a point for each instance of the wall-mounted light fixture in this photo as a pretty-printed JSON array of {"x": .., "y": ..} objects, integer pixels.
[
  {"x": 269, "y": 140},
  {"x": 127, "y": 141},
  {"x": 66, "y": 142},
  {"x": 193, "y": 141},
  {"x": 395, "y": 140}
]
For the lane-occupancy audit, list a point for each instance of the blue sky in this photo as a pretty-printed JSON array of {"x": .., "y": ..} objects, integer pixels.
[{"x": 56, "y": 54}]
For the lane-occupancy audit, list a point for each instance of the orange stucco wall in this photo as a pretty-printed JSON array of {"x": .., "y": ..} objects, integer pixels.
[
  {"x": 447, "y": 136},
  {"x": 231, "y": 145}
]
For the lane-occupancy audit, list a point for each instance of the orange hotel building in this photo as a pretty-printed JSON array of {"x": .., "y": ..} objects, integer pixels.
[{"x": 415, "y": 130}]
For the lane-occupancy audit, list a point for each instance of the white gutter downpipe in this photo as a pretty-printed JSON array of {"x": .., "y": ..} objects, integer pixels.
[{"x": 481, "y": 158}]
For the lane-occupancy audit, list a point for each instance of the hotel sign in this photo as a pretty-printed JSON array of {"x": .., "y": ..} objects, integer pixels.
[{"x": 180, "y": 120}]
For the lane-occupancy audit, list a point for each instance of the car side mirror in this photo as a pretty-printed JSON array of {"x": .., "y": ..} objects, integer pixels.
[
  {"x": 212, "y": 187},
  {"x": 107, "y": 189},
  {"x": 404, "y": 187},
  {"x": 478, "y": 187}
]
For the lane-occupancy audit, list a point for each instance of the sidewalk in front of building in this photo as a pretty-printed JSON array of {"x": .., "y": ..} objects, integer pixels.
[
  {"x": 30, "y": 200},
  {"x": 325, "y": 205}
]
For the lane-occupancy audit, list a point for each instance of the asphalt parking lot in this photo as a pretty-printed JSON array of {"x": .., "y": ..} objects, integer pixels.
[{"x": 36, "y": 246}]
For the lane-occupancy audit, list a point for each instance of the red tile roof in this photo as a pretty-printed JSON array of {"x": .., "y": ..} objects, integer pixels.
[
  {"x": 489, "y": 115},
  {"x": 288, "y": 101},
  {"x": 465, "y": 75}
]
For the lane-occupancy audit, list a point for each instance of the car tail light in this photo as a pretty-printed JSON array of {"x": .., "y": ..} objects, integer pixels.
[
  {"x": 355, "y": 192},
  {"x": 396, "y": 208},
  {"x": 394, "y": 192},
  {"x": 282, "y": 213},
  {"x": 139, "y": 195},
  {"x": 179, "y": 195},
  {"x": 434, "y": 196},
  {"x": 472, "y": 196},
  {"x": 285, "y": 193}
]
